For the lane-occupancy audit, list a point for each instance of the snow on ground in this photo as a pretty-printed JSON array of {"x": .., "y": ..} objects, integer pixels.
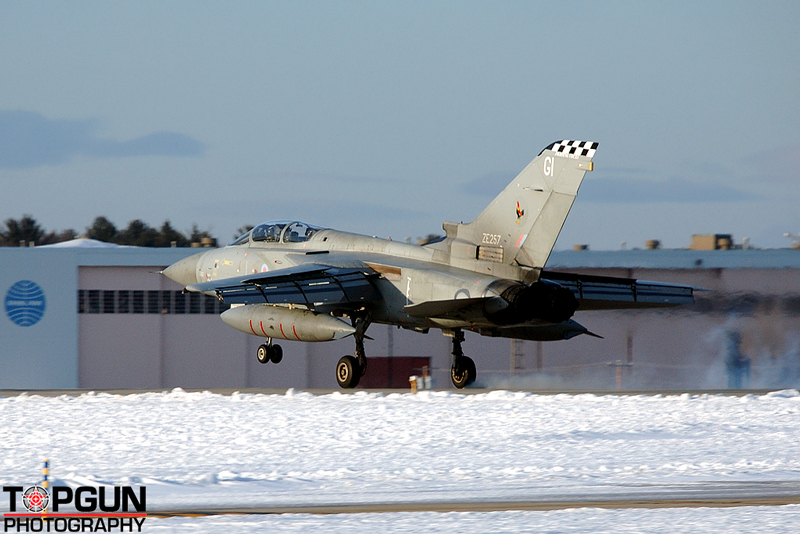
[{"x": 206, "y": 450}]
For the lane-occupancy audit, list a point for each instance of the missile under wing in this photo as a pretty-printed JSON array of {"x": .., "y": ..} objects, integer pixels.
[{"x": 293, "y": 281}]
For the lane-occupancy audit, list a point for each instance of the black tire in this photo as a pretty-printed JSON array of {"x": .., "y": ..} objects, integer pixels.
[
  {"x": 348, "y": 372},
  {"x": 263, "y": 354},
  {"x": 463, "y": 373},
  {"x": 277, "y": 354}
]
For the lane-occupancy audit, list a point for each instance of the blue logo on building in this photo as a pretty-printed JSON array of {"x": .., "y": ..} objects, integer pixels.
[{"x": 25, "y": 303}]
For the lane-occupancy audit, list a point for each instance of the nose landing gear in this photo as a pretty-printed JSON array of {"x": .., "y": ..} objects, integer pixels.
[
  {"x": 348, "y": 372},
  {"x": 269, "y": 353}
]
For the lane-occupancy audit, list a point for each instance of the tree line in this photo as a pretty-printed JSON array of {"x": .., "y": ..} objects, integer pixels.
[{"x": 27, "y": 232}]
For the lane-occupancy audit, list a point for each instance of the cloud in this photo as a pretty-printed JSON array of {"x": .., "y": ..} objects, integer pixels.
[
  {"x": 675, "y": 190},
  {"x": 29, "y": 139},
  {"x": 776, "y": 165},
  {"x": 155, "y": 144},
  {"x": 625, "y": 190},
  {"x": 315, "y": 211}
]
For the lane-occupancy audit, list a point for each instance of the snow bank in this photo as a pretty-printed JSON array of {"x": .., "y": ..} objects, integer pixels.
[{"x": 204, "y": 449}]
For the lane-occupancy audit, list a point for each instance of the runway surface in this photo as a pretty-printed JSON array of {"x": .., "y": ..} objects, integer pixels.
[{"x": 722, "y": 495}]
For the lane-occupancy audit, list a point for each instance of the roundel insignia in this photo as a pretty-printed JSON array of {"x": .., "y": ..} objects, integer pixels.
[
  {"x": 25, "y": 303},
  {"x": 264, "y": 268}
]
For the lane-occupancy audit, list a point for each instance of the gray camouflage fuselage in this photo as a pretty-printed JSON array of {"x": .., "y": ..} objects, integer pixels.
[{"x": 409, "y": 274}]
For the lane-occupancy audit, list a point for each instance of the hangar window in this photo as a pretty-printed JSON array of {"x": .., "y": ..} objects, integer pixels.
[
  {"x": 153, "y": 304},
  {"x": 194, "y": 302},
  {"x": 180, "y": 303},
  {"x": 166, "y": 301},
  {"x": 147, "y": 302},
  {"x": 209, "y": 303},
  {"x": 123, "y": 301},
  {"x": 138, "y": 302},
  {"x": 94, "y": 301},
  {"x": 108, "y": 302}
]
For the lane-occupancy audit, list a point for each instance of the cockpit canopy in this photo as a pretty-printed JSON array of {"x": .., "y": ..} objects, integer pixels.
[{"x": 279, "y": 232}]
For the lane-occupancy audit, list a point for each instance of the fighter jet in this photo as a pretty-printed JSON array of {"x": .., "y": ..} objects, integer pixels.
[{"x": 293, "y": 281}]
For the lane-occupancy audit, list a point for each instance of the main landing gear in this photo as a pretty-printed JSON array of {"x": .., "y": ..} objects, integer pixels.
[
  {"x": 463, "y": 372},
  {"x": 350, "y": 369},
  {"x": 269, "y": 353}
]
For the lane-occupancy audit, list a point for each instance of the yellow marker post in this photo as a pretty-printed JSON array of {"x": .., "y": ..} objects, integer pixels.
[{"x": 46, "y": 481}]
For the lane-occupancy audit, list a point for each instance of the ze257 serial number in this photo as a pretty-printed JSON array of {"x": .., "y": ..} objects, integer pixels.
[{"x": 491, "y": 239}]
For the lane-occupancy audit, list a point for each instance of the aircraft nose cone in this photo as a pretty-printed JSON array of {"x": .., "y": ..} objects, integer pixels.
[{"x": 184, "y": 271}]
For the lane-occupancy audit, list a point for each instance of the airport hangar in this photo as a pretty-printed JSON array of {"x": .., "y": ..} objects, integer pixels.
[{"x": 78, "y": 316}]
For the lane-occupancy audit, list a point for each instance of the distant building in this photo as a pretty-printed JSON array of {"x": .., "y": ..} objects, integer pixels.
[{"x": 711, "y": 242}]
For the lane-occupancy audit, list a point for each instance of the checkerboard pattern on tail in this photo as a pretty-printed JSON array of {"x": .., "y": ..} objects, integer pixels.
[{"x": 580, "y": 148}]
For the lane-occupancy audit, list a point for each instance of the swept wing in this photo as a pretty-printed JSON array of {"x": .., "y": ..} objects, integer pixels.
[{"x": 313, "y": 285}]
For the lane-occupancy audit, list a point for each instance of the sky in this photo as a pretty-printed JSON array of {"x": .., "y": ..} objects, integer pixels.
[{"x": 387, "y": 118}]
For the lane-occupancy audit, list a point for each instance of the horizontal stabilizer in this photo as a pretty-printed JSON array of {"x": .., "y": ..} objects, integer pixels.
[
  {"x": 610, "y": 293},
  {"x": 546, "y": 331}
]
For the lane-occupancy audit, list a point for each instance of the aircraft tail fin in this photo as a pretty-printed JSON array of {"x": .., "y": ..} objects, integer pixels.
[{"x": 522, "y": 224}]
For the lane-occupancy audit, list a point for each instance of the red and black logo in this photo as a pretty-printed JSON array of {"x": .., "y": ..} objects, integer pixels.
[
  {"x": 97, "y": 509},
  {"x": 36, "y": 499}
]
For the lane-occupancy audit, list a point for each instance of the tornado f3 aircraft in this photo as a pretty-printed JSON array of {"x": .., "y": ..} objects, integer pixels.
[{"x": 293, "y": 281}]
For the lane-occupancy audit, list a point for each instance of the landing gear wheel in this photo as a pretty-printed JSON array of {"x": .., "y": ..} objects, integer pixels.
[
  {"x": 463, "y": 372},
  {"x": 277, "y": 354},
  {"x": 263, "y": 353},
  {"x": 348, "y": 372}
]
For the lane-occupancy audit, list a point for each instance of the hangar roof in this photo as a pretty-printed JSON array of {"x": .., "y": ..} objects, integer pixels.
[
  {"x": 102, "y": 257},
  {"x": 779, "y": 258}
]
